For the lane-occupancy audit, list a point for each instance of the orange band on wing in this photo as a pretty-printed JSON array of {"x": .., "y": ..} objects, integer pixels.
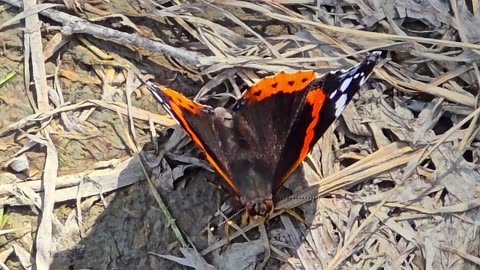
[
  {"x": 280, "y": 83},
  {"x": 315, "y": 98},
  {"x": 178, "y": 102}
]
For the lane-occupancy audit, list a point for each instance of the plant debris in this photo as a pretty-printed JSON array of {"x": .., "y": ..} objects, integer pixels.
[{"x": 394, "y": 184}]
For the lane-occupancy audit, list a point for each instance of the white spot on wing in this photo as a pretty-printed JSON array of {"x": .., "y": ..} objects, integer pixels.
[
  {"x": 338, "y": 111},
  {"x": 165, "y": 105},
  {"x": 363, "y": 80},
  {"x": 340, "y": 104},
  {"x": 157, "y": 96},
  {"x": 356, "y": 75},
  {"x": 332, "y": 95},
  {"x": 160, "y": 99},
  {"x": 345, "y": 84}
]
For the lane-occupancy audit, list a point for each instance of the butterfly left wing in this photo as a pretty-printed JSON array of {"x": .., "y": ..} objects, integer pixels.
[{"x": 204, "y": 124}]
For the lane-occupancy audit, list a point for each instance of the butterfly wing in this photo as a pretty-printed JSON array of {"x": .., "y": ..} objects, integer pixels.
[
  {"x": 205, "y": 125},
  {"x": 289, "y": 120}
]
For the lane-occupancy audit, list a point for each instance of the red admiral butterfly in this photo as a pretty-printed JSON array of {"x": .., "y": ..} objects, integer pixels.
[{"x": 258, "y": 143}]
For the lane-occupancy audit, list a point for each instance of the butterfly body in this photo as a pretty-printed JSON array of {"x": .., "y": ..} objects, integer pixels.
[{"x": 259, "y": 142}]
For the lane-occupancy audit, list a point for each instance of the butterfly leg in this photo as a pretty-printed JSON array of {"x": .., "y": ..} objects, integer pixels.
[
  {"x": 295, "y": 215},
  {"x": 231, "y": 223},
  {"x": 227, "y": 230}
]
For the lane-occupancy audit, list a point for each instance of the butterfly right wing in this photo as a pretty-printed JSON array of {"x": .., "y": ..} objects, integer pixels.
[
  {"x": 327, "y": 97},
  {"x": 289, "y": 112}
]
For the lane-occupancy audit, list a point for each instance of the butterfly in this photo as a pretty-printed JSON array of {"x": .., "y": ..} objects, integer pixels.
[{"x": 257, "y": 144}]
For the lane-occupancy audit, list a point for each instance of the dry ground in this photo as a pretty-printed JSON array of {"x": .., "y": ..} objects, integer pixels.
[{"x": 394, "y": 184}]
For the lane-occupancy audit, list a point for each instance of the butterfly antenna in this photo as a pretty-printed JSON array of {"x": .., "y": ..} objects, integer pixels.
[
  {"x": 227, "y": 220},
  {"x": 301, "y": 197}
]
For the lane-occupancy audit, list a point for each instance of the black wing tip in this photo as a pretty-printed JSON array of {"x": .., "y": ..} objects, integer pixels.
[
  {"x": 369, "y": 63},
  {"x": 148, "y": 84},
  {"x": 374, "y": 56},
  {"x": 140, "y": 78},
  {"x": 156, "y": 91}
]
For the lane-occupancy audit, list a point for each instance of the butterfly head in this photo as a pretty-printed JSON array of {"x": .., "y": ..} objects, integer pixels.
[{"x": 258, "y": 210}]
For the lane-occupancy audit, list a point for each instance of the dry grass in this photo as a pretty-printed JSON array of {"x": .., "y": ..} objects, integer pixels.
[{"x": 396, "y": 186}]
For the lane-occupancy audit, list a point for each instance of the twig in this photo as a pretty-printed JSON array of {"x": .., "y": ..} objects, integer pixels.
[
  {"x": 114, "y": 106},
  {"x": 74, "y": 25},
  {"x": 44, "y": 233}
]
